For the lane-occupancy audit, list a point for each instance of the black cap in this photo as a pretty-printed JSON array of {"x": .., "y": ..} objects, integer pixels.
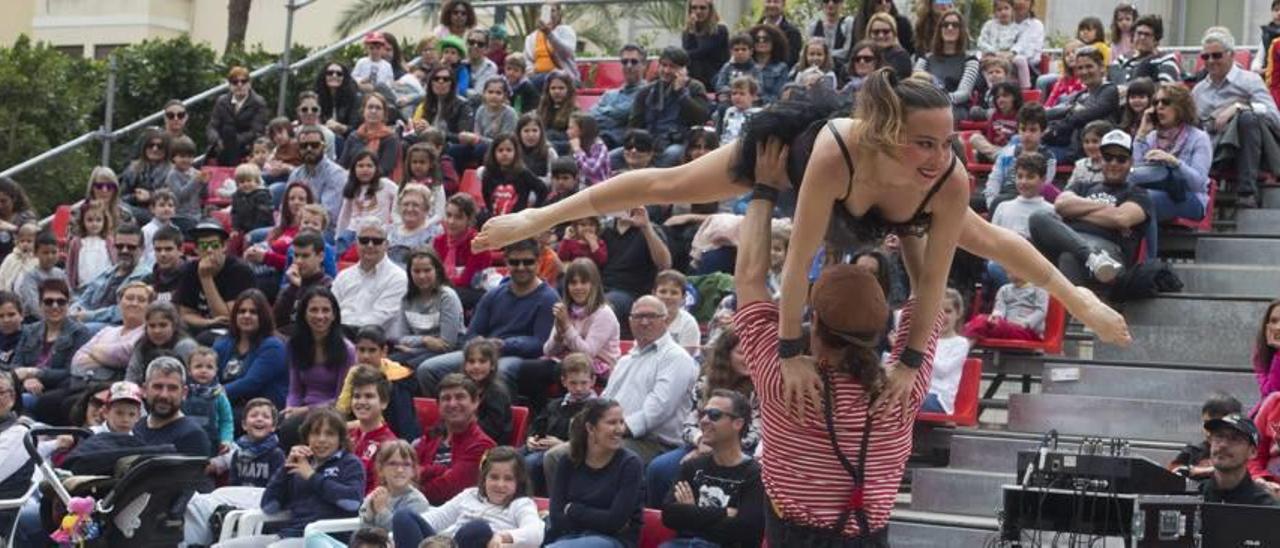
[
  {"x": 209, "y": 226},
  {"x": 1237, "y": 422}
]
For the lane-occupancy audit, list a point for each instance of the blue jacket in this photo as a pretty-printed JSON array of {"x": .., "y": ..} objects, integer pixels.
[
  {"x": 614, "y": 107},
  {"x": 523, "y": 323},
  {"x": 94, "y": 294},
  {"x": 254, "y": 463},
  {"x": 334, "y": 491},
  {"x": 263, "y": 371},
  {"x": 56, "y": 371}
]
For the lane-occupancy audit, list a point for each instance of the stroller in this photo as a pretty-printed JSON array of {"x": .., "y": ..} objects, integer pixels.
[{"x": 140, "y": 505}]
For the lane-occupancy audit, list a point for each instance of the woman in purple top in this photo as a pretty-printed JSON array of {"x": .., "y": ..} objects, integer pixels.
[
  {"x": 1266, "y": 361},
  {"x": 318, "y": 359}
]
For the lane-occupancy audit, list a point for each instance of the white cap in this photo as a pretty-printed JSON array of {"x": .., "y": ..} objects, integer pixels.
[{"x": 1117, "y": 137}]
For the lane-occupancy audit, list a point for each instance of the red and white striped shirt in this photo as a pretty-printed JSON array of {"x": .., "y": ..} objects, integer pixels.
[{"x": 802, "y": 475}]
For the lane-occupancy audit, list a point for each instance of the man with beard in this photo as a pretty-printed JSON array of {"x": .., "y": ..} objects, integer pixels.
[
  {"x": 1232, "y": 442},
  {"x": 325, "y": 177},
  {"x": 669, "y": 106},
  {"x": 97, "y": 302},
  {"x": 165, "y": 387}
]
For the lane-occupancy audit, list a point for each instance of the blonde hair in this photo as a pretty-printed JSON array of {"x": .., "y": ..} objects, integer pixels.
[
  {"x": 317, "y": 209},
  {"x": 883, "y": 105},
  {"x": 883, "y": 17},
  {"x": 248, "y": 171},
  {"x": 415, "y": 188}
]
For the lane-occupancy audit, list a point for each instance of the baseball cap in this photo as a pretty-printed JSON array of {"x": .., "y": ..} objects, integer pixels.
[
  {"x": 1117, "y": 138},
  {"x": 375, "y": 37},
  {"x": 124, "y": 390},
  {"x": 849, "y": 300},
  {"x": 1237, "y": 422}
]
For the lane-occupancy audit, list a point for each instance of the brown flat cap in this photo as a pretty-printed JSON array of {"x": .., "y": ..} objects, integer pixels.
[{"x": 848, "y": 299}]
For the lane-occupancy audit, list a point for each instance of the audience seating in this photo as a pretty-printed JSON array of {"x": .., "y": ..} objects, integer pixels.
[
  {"x": 625, "y": 345},
  {"x": 471, "y": 184},
  {"x": 971, "y": 162},
  {"x": 652, "y": 535},
  {"x": 428, "y": 410},
  {"x": 61, "y": 225},
  {"x": 965, "y": 412},
  {"x": 585, "y": 101},
  {"x": 1203, "y": 224},
  {"x": 609, "y": 75},
  {"x": 1243, "y": 57},
  {"x": 1055, "y": 327},
  {"x": 216, "y": 175},
  {"x": 1031, "y": 95}
]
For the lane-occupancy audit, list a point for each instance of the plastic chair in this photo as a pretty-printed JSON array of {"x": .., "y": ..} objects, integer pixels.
[
  {"x": 1205, "y": 223},
  {"x": 61, "y": 224},
  {"x": 965, "y": 410},
  {"x": 471, "y": 185},
  {"x": 654, "y": 533},
  {"x": 585, "y": 101},
  {"x": 428, "y": 411},
  {"x": 971, "y": 162},
  {"x": 519, "y": 424},
  {"x": 1031, "y": 95},
  {"x": 1055, "y": 328},
  {"x": 609, "y": 75},
  {"x": 216, "y": 175},
  {"x": 247, "y": 523},
  {"x": 624, "y": 346},
  {"x": 342, "y": 525}
]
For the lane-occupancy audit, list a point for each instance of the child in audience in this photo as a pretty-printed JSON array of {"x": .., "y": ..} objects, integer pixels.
[
  {"x": 1067, "y": 83},
  {"x": 557, "y": 107},
  {"x": 46, "y": 269},
  {"x": 1002, "y": 123},
  {"x": 740, "y": 64},
  {"x": 1019, "y": 313},
  {"x": 548, "y": 268},
  {"x": 815, "y": 65},
  {"x": 422, "y": 166},
  {"x": 536, "y": 152},
  {"x": 669, "y": 286},
  {"x": 493, "y": 118},
  {"x": 284, "y": 154},
  {"x": 497, "y": 512},
  {"x": 89, "y": 253},
  {"x": 251, "y": 206},
  {"x": 507, "y": 182},
  {"x": 259, "y": 153},
  {"x": 21, "y": 259},
  {"x": 252, "y": 461},
  {"x": 206, "y": 401},
  {"x": 997, "y": 38},
  {"x": 374, "y": 68},
  {"x": 1090, "y": 32},
  {"x": 582, "y": 239},
  {"x": 1137, "y": 100},
  {"x": 744, "y": 91},
  {"x": 371, "y": 350},
  {"x": 551, "y": 427},
  {"x": 1122, "y": 20},
  {"x": 367, "y": 194},
  {"x": 565, "y": 179},
  {"x": 1014, "y": 214},
  {"x": 481, "y": 366},
  {"x": 162, "y": 209},
  {"x": 590, "y": 153},
  {"x": 1002, "y": 182},
  {"x": 395, "y": 491},
  {"x": 370, "y": 537},
  {"x": 436, "y": 140},
  {"x": 1193, "y": 461},
  {"x": 995, "y": 70},
  {"x": 948, "y": 359},
  {"x": 187, "y": 184},
  {"x": 524, "y": 95},
  {"x": 1088, "y": 169},
  {"x": 370, "y": 393}
]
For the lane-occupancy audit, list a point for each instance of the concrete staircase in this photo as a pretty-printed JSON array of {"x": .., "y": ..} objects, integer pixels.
[{"x": 1186, "y": 347}]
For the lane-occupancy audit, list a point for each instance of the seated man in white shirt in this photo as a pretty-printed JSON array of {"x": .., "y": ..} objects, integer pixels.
[{"x": 370, "y": 292}]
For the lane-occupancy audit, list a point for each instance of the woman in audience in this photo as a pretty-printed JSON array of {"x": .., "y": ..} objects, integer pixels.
[
  {"x": 1065, "y": 83},
  {"x": 583, "y": 323},
  {"x": 536, "y": 152},
  {"x": 339, "y": 100},
  {"x": 557, "y": 108},
  {"x": 872, "y": 7},
  {"x": 373, "y": 135},
  {"x": 770, "y": 55},
  {"x": 725, "y": 367},
  {"x": 251, "y": 359},
  {"x": 442, "y": 108},
  {"x": 42, "y": 359},
  {"x": 146, "y": 173},
  {"x": 274, "y": 242},
  {"x": 239, "y": 117},
  {"x": 1172, "y": 158},
  {"x": 595, "y": 494},
  {"x": 949, "y": 61},
  {"x": 948, "y": 359},
  {"x": 706, "y": 40},
  {"x": 456, "y": 18},
  {"x": 454, "y": 248},
  {"x": 864, "y": 58},
  {"x": 1266, "y": 361},
  {"x": 1121, "y": 39},
  {"x": 928, "y": 21},
  {"x": 15, "y": 210},
  {"x": 103, "y": 190},
  {"x": 318, "y": 359},
  {"x": 430, "y": 318},
  {"x": 15, "y": 463},
  {"x": 1100, "y": 100},
  {"x": 165, "y": 335},
  {"x": 411, "y": 230},
  {"x": 883, "y": 31}
]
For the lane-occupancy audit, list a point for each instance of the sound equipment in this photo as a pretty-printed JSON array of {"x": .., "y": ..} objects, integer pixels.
[
  {"x": 1070, "y": 511},
  {"x": 1110, "y": 473},
  {"x": 1167, "y": 522},
  {"x": 1186, "y": 522}
]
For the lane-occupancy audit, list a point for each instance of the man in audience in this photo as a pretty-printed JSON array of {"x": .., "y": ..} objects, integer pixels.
[
  {"x": 1098, "y": 226},
  {"x": 370, "y": 292},
  {"x": 1232, "y": 441},
  {"x": 306, "y": 271},
  {"x": 637, "y": 252},
  {"x": 613, "y": 111},
  {"x": 517, "y": 313},
  {"x": 718, "y": 498},
  {"x": 551, "y": 46},
  {"x": 482, "y": 68},
  {"x": 97, "y": 301},
  {"x": 637, "y": 152},
  {"x": 309, "y": 115},
  {"x": 166, "y": 387},
  {"x": 166, "y": 273},
  {"x": 1194, "y": 461},
  {"x": 1147, "y": 59},
  {"x": 1235, "y": 106},
  {"x": 670, "y": 105},
  {"x": 209, "y": 285},
  {"x": 325, "y": 177},
  {"x": 450, "y": 462},
  {"x": 775, "y": 14}
]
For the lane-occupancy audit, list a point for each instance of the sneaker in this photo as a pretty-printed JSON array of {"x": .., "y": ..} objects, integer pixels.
[{"x": 1103, "y": 267}]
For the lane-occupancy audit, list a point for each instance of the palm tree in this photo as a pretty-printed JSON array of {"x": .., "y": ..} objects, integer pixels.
[{"x": 237, "y": 23}]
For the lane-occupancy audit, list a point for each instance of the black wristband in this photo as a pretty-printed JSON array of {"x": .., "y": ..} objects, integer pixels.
[
  {"x": 790, "y": 348},
  {"x": 911, "y": 358},
  {"x": 764, "y": 192}
]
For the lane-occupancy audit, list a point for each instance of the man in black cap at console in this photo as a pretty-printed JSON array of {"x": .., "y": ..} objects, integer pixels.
[
  {"x": 1232, "y": 441},
  {"x": 209, "y": 286}
]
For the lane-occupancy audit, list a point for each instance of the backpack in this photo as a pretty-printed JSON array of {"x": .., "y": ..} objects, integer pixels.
[{"x": 1145, "y": 281}]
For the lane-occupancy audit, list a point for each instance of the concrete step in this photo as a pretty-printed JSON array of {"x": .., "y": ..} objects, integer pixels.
[
  {"x": 914, "y": 534},
  {"x": 1000, "y": 455},
  {"x": 1243, "y": 280},
  {"x": 1256, "y": 251},
  {"x": 1196, "y": 310},
  {"x": 1205, "y": 344},
  {"x": 1134, "y": 419},
  {"x": 1145, "y": 383},
  {"x": 952, "y": 491},
  {"x": 1258, "y": 221},
  {"x": 1271, "y": 198}
]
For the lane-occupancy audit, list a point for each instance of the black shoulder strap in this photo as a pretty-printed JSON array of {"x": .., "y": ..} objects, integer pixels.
[
  {"x": 857, "y": 473},
  {"x": 936, "y": 185},
  {"x": 848, "y": 158}
]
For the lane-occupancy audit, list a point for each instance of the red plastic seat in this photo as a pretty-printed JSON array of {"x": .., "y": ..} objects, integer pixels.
[
  {"x": 971, "y": 162},
  {"x": 625, "y": 346},
  {"x": 608, "y": 75},
  {"x": 965, "y": 411},
  {"x": 586, "y": 101},
  {"x": 972, "y": 125},
  {"x": 1031, "y": 95},
  {"x": 428, "y": 412},
  {"x": 1203, "y": 224},
  {"x": 654, "y": 532},
  {"x": 471, "y": 185},
  {"x": 61, "y": 224},
  {"x": 216, "y": 175},
  {"x": 519, "y": 424},
  {"x": 1055, "y": 327}
]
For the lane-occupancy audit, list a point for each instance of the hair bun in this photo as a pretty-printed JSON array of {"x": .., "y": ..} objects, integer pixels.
[{"x": 893, "y": 76}]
